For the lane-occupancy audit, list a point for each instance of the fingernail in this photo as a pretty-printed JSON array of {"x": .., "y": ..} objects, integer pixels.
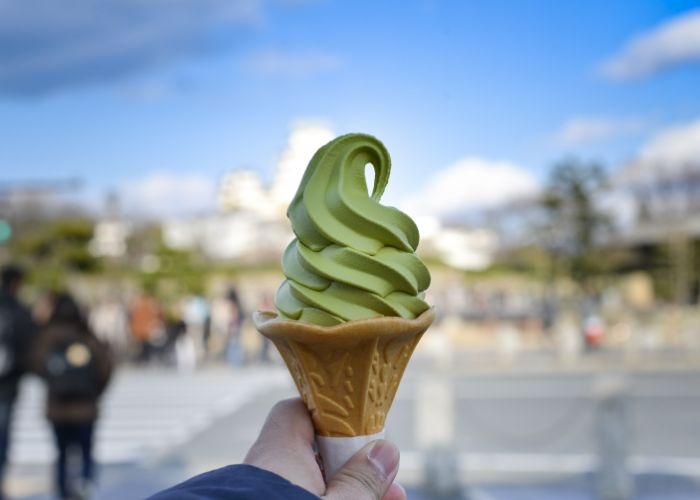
[{"x": 384, "y": 456}]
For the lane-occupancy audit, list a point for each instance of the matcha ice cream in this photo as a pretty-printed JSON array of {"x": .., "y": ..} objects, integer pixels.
[{"x": 353, "y": 258}]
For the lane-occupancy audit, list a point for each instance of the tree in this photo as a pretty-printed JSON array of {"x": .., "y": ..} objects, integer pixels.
[
  {"x": 55, "y": 247},
  {"x": 574, "y": 220}
]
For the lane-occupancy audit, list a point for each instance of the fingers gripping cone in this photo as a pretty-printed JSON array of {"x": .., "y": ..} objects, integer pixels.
[{"x": 347, "y": 375}]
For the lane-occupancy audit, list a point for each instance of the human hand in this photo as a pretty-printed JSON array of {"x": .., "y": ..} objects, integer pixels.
[{"x": 285, "y": 447}]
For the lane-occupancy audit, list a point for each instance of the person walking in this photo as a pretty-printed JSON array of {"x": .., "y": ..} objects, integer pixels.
[
  {"x": 234, "y": 347},
  {"x": 16, "y": 332},
  {"x": 196, "y": 315},
  {"x": 145, "y": 320},
  {"x": 109, "y": 320},
  {"x": 76, "y": 367}
]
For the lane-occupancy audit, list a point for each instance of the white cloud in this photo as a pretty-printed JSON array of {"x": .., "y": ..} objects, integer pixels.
[
  {"x": 161, "y": 194},
  {"x": 670, "y": 44},
  {"x": 305, "y": 138},
  {"x": 669, "y": 151},
  {"x": 579, "y": 131},
  {"x": 472, "y": 184},
  {"x": 675, "y": 145},
  {"x": 293, "y": 64}
]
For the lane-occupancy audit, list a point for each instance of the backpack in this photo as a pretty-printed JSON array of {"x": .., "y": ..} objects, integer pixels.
[{"x": 72, "y": 372}]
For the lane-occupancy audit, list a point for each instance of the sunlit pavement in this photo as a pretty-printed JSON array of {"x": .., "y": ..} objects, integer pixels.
[
  {"x": 146, "y": 414},
  {"x": 521, "y": 433},
  {"x": 646, "y": 487}
]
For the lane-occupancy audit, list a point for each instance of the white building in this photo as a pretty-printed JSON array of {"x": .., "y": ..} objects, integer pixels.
[
  {"x": 109, "y": 238},
  {"x": 470, "y": 249},
  {"x": 242, "y": 190},
  {"x": 241, "y": 236},
  {"x": 252, "y": 225},
  {"x": 110, "y": 234}
]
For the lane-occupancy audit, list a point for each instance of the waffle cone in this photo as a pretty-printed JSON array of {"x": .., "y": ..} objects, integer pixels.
[{"x": 348, "y": 374}]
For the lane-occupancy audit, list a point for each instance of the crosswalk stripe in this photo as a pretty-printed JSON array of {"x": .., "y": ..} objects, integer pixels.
[{"x": 145, "y": 412}]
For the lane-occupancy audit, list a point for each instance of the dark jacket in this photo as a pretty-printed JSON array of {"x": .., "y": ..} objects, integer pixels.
[
  {"x": 236, "y": 482},
  {"x": 16, "y": 332},
  {"x": 74, "y": 411}
]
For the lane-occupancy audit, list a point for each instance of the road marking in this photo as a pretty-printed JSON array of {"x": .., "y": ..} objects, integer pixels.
[
  {"x": 146, "y": 413},
  {"x": 412, "y": 462},
  {"x": 408, "y": 393}
]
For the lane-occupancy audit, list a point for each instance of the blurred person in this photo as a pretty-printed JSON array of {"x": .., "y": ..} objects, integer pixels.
[
  {"x": 185, "y": 353},
  {"x": 76, "y": 367},
  {"x": 593, "y": 332},
  {"x": 182, "y": 348},
  {"x": 234, "y": 345},
  {"x": 592, "y": 326},
  {"x": 16, "y": 335},
  {"x": 109, "y": 320},
  {"x": 282, "y": 465},
  {"x": 548, "y": 314},
  {"x": 173, "y": 328},
  {"x": 206, "y": 334},
  {"x": 221, "y": 316},
  {"x": 145, "y": 321},
  {"x": 196, "y": 316}
]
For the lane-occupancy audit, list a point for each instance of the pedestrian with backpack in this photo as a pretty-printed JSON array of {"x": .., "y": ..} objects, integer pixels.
[
  {"x": 16, "y": 332},
  {"x": 76, "y": 367}
]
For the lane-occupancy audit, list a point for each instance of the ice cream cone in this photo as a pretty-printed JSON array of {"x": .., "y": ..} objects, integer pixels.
[{"x": 348, "y": 374}]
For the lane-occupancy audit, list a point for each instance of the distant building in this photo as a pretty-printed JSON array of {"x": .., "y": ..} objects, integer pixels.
[
  {"x": 109, "y": 238},
  {"x": 238, "y": 236},
  {"x": 252, "y": 224},
  {"x": 111, "y": 233},
  {"x": 242, "y": 190},
  {"x": 469, "y": 249},
  {"x": 666, "y": 200}
]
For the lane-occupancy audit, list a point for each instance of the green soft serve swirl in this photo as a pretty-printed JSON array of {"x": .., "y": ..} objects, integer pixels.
[{"x": 353, "y": 258}]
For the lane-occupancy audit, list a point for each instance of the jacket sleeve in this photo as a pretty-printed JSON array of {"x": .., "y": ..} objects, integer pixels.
[
  {"x": 105, "y": 362},
  {"x": 28, "y": 334},
  {"x": 235, "y": 482}
]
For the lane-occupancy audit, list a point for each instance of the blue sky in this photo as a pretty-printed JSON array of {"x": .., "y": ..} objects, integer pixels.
[{"x": 193, "y": 88}]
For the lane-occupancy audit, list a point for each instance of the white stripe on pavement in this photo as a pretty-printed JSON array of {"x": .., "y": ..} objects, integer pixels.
[
  {"x": 145, "y": 412},
  {"x": 515, "y": 463}
]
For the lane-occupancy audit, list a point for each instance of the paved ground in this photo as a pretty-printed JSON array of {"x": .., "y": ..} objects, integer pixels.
[
  {"x": 144, "y": 411},
  {"x": 518, "y": 433},
  {"x": 555, "y": 413},
  {"x": 145, "y": 416},
  {"x": 646, "y": 487}
]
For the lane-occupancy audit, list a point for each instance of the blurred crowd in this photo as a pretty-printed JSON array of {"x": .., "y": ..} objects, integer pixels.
[
  {"x": 476, "y": 301},
  {"x": 185, "y": 333},
  {"x": 75, "y": 367},
  {"x": 74, "y": 349}
]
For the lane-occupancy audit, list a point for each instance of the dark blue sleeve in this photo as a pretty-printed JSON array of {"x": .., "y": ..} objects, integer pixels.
[{"x": 235, "y": 482}]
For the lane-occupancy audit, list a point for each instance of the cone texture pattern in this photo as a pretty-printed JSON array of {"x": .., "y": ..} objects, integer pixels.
[{"x": 347, "y": 375}]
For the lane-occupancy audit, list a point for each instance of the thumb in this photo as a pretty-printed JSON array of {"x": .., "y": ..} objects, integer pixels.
[{"x": 367, "y": 475}]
